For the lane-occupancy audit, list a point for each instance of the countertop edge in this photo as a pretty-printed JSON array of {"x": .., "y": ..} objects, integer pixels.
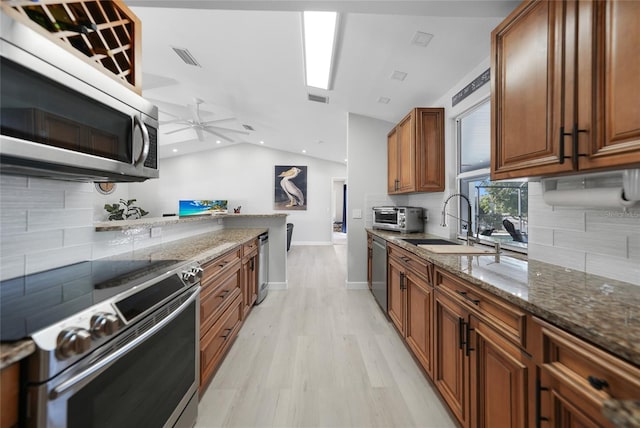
[
  {"x": 106, "y": 226},
  {"x": 15, "y": 351}
]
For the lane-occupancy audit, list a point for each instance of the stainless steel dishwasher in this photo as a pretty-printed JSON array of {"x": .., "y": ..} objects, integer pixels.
[
  {"x": 379, "y": 272},
  {"x": 263, "y": 267}
]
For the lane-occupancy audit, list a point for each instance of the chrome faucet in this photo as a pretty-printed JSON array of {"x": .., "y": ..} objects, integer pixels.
[{"x": 470, "y": 237}]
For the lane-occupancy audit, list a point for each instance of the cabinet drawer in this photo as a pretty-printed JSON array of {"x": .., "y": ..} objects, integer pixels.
[
  {"x": 411, "y": 261},
  {"x": 218, "y": 265},
  {"x": 216, "y": 341},
  {"x": 589, "y": 371},
  {"x": 506, "y": 318},
  {"x": 217, "y": 296},
  {"x": 250, "y": 247}
]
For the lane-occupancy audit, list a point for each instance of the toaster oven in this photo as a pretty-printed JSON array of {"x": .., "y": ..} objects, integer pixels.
[{"x": 399, "y": 219}]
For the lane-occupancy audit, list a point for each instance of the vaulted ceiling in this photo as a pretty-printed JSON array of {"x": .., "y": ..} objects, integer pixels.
[{"x": 252, "y": 73}]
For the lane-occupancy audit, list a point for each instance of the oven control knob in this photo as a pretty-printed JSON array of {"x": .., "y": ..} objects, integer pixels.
[
  {"x": 104, "y": 324},
  {"x": 189, "y": 277},
  {"x": 198, "y": 271},
  {"x": 73, "y": 341}
]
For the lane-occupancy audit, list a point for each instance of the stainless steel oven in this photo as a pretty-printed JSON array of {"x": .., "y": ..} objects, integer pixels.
[{"x": 129, "y": 359}]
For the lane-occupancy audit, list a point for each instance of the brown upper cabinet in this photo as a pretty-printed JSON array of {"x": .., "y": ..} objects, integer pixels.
[
  {"x": 565, "y": 79},
  {"x": 416, "y": 153}
]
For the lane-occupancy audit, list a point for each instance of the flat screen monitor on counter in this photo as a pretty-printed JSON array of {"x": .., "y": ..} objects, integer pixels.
[{"x": 202, "y": 207}]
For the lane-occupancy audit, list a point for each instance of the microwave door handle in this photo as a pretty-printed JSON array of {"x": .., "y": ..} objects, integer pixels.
[{"x": 145, "y": 140}]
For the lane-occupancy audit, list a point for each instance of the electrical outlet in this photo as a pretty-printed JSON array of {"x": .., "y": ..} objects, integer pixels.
[{"x": 156, "y": 232}]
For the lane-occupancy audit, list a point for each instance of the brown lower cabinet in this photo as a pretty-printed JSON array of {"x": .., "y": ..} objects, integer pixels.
[
  {"x": 9, "y": 394},
  {"x": 494, "y": 364},
  {"x": 249, "y": 276}
]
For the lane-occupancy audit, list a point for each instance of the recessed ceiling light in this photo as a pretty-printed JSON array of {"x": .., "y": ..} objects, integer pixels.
[
  {"x": 304, "y": 151},
  {"x": 175, "y": 150},
  {"x": 261, "y": 142},
  {"x": 421, "y": 39},
  {"x": 319, "y": 35},
  {"x": 218, "y": 141},
  {"x": 399, "y": 75},
  {"x": 384, "y": 100},
  {"x": 345, "y": 159}
]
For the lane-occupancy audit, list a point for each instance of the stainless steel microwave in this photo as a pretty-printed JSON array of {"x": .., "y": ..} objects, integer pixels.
[
  {"x": 62, "y": 118},
  {"x": 399, "y": 219}
]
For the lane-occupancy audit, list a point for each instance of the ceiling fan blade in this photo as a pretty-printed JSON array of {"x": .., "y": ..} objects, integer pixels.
[
  {"x": 177, "y": 130},
  {"x": 217, "y": 134},
  {"x": 226, "y": 129},
  {"x": 218, "y": 120},
  {"x": 195, "y": 112},
  {"x": 200, "y": 133}
]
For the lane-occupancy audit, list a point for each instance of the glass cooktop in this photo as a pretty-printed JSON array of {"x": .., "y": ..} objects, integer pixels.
[{"x": 36, "y": 301}]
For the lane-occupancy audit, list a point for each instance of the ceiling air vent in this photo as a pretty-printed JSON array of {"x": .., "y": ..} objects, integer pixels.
[
  {"x": 248, "y": 127},
  {"x": 318, "y": 98},
  {"x": 186, "y": 56}
]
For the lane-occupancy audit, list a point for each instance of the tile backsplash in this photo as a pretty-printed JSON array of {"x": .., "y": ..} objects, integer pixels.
[
  {"x": 600, "y": 241},
  {"x": 46, "y": 224}
]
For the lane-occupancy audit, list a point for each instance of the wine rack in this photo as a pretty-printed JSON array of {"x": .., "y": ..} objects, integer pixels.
[{"x": 105, "y": 33}]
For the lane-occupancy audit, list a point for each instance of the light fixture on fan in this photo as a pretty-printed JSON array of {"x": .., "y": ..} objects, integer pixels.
[{"x": 201, "y": 127}]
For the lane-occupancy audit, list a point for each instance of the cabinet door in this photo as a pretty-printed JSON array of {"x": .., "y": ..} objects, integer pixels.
[
  {"x": 395, "y": 289},
  {"x": 392, "y": 162},
  {"x": 609, "y": 83},
  {"x": 530, "y": 99},
  {"x": 406, "y": 155},
  {"x": 451, "y": 370},
  {"x": 499, "y": 376},
  {"x": 419, "y": 331},
  {"x": 430, "y": 149}
]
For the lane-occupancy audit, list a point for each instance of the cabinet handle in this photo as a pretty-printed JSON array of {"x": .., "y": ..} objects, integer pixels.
[
  {"x": 402, "y": 278},
  {"x": 224, "y": 294},
  {"x": 598, "y": 384},
  {"x": 251, "y": 264},
  {"x": 405, "y": 259},
  {"x": 222, "y": 264},
  {"x": 396, "y": 184},
  {"x": 539, "y": 390},
  {"x": 227, "y": 333},
  {"x": 466, "y": 296},
  {"x": 574, "y": 144},
  {"x": 467, "y": 342},
  {"x": 461, "y": 333}
]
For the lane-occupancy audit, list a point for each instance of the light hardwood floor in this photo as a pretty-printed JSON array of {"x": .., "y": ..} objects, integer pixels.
[{"x": 319, "y": 355}]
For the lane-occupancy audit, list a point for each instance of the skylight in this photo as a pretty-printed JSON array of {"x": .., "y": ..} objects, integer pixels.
[{"x": 319, "y": 30}]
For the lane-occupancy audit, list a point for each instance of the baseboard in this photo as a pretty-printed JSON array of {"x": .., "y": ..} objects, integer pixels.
[
  {"x": 278, "y": 286},
  {"x": 357, "y": 285}
]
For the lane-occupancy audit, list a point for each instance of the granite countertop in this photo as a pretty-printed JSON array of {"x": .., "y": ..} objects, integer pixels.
[
  {"x": 600, "y": 310},
  {"x": 203, "y": 247},
  {"x": 623, "y": 413},
  {"x": 106, "y": 226}
]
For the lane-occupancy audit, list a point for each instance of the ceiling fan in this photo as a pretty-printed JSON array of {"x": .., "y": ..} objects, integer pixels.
[{"x": 199, "y": 126}]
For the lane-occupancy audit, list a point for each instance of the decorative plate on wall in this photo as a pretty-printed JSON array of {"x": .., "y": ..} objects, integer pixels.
[{"x": 106, "y": 188}]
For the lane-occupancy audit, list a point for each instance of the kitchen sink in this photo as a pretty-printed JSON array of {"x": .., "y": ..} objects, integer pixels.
[{"x": 429, "y": 242}]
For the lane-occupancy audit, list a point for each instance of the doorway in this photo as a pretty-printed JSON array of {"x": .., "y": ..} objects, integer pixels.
[{"x": 339, "y": 211}]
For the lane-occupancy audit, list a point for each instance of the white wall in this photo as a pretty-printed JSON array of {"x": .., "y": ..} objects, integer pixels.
[
  {"x": 366, "y": 181},
  {"x": 244, "y": 175}
]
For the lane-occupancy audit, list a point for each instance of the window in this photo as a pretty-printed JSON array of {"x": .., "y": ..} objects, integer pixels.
[{"x": 498, "y": 208}]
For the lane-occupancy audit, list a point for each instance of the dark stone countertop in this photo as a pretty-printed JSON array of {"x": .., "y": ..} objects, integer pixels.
[
  {"x": 203, "y": 247},
  {"x": 600, "y": 310}
]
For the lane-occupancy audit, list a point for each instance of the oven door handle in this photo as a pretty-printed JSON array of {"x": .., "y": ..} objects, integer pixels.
[{"x": 83, "y": 378}]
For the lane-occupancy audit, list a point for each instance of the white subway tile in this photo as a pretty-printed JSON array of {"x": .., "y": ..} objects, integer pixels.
[
  {"x": 50, "y": 219},
  {"x": 13, "y": 181},
  {"x": 45, "y": 260},
  {"x": 110, "y": 245},
  {"x": 614, "y": 267},
  {"x": 75, "y": 199},
  {"x": 62, "y": 185},
  {"x": 78, "y": 236},
  {"x": 572, "y": 259},
  {"x": 540, "y": 235},
  {"x": 12, "y": 221},
  {"x": 611, "y": 244},
  {"x": 633, "y": 244},
  {"x": 568, "y": 220},
  {"x": 12, "y": 266},
  {"x": 30, "y": 242},
  {"x": 13, "y": 198},
  {"x": 613, "y": 221}
]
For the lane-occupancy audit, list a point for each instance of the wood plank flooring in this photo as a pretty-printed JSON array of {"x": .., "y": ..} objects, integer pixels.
[{"x": 319, "y": 355}]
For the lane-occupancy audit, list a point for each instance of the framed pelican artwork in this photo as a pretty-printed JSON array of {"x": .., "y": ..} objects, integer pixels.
[{"x": 290, "y": 187}]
